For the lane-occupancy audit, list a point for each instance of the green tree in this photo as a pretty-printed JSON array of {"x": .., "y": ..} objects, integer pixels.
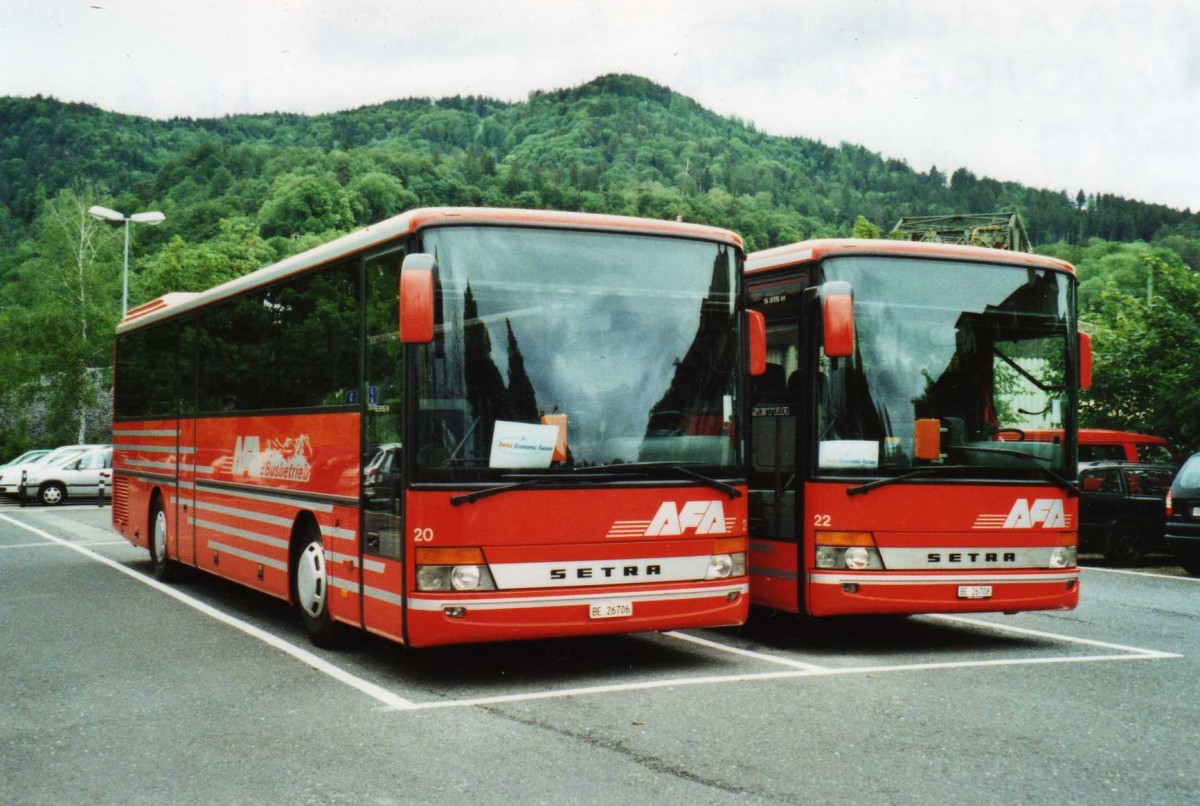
[
  {"x": 375, "y": 196},
  {"x": 865, "y": 229},
  {"x": 300, "y": 204},
  {"x": 1146, "y": 361},
  {"x": 237, "y": 249},
  {"x": 60, "y": 313}
]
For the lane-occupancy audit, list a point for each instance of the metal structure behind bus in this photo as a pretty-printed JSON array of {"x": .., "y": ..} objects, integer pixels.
[
  {"x": 472, "y": 362},
  {"x": 1001, "y": 230}
]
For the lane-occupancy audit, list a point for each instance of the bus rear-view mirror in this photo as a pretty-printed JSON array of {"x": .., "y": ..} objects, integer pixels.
[
  {"x": 837, "y": 304},
  {"x": 756, "y": 328},
  {"x": 1085, "y": 361},
  {"x": 416, "y": 299}
]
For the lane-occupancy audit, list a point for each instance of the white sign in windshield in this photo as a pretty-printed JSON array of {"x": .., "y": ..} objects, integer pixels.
[
  {"x": 522, "y": 444},
  {"x": 849, "y": 453}
]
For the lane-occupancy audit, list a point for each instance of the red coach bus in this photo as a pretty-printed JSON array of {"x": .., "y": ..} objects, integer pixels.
[
  {"x": 888, "y": 469},
  {"x": 456, "y": 425}
]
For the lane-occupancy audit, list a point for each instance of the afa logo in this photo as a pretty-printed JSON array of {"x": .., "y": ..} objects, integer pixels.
[
  {"x": 1045, "y": 512},
  {"x": 705, "y": 517},
  {"x": 289, "y": 459}
]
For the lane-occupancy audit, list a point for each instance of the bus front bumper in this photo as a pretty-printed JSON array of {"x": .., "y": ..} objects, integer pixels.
[
  {"x": 435, "y": 619},
  {"x": 840, "y": 593}
]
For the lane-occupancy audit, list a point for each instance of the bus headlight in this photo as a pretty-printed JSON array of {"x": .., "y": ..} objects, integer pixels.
[
  {"x": 1063, "y": 557},
  {"x": 857, "y": 558},
  {"x": 724, "y": 566},
  {"x": 720, "y": 566},
  {"x": 456, "y": 569},
  {"x": 849, "y": 551},
  {"x": 465, "y": 577},
  {"x": 433, "y": 577},
  {"x": 827, "y": 556}
]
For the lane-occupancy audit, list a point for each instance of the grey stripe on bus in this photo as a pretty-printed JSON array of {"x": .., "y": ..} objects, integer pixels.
[
  {"x": 771, "y": 572},
  {"x": 247, "y": 555},
  {"x": 267, "y": 540}
]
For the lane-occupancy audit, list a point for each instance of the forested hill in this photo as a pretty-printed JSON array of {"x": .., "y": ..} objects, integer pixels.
[
  {"x": 618, "y": 144},
  {"x": 243, "y": 191}
]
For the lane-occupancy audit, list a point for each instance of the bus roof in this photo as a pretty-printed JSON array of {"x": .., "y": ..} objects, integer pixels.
[
  {"x": 806, "y": 251},
  {"x": 172, "y": 304}
]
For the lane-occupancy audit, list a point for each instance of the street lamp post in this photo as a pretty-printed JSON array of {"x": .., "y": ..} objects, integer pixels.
[{"x": 104, "y": 214}]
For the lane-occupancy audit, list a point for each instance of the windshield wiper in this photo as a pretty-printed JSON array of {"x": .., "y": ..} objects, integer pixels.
[
  {"x": 675, "y": 467},
  {"x": 1065, "y": 484},
  {"x": 621, "y": 471},
  {"x": 525, "y": 481},
  {"x": 871, "y": 485},
  {"x": 1059, "y": 480},
  {"x": 472, "y": 497}
]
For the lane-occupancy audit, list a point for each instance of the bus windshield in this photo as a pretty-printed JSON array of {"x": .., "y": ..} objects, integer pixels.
[
  {"x": 967, "y": 354},
  {"x": 557, "y": 350}
]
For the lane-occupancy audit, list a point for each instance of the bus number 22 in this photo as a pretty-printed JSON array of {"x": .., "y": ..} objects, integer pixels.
[
  {"x": 422, "y": 535},
  {"x": 822, "y": 520}
]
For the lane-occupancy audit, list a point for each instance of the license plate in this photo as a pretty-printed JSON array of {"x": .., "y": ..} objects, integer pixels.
[
  {"x": 974, "y": 591},
  {"x": 1196, "y": 512},
  {"x": 612, "y": 610}
]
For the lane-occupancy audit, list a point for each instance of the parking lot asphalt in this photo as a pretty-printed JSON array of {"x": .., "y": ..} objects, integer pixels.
[{"x": 116, "y": 689}]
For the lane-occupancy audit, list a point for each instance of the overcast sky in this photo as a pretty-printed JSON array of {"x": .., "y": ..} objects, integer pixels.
[{"x": 1101, "y": 96}]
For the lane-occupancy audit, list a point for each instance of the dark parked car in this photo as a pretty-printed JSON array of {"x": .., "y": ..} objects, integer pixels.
[
  {"x": 1183, "y": 515},
  {"x": 1122, "y": 509}
]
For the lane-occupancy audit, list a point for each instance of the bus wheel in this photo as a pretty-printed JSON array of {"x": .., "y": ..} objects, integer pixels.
[
  {"x": 310, "y": 589},
  {"x": 1124, "y": 547},
  {"x": 162, "y": 565},
  {"x": 52, "y": 494}
]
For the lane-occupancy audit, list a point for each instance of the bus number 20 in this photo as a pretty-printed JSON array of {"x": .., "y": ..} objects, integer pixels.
[{"x": 422, "y": 535}]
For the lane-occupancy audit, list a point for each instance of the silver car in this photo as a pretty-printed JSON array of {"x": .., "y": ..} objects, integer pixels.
[
  {"x": 27, "y": 457},
  {"x": 10, "y": 475},
  {"x": 73, "y": 476}
]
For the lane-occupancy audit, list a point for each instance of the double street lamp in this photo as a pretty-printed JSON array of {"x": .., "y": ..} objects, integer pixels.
[{"x": 105, "y": 214}]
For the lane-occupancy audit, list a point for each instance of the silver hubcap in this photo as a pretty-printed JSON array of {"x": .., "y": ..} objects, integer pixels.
[
  {"x": 51, "y": 495},
  {"x": 310, "y": 580},
  {"x": 160, "y": 537}
]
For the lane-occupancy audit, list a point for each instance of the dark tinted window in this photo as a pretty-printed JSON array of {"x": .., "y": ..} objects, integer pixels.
[
  {"x": 1103, "y": 480},
  {"x": 292, "y": 345},
  {"x": 237, "y": 355},
  {"x": 1100, "y": 453},
  {"x": 146, "y": 380},
  {"x": 1149, "y": 481}
]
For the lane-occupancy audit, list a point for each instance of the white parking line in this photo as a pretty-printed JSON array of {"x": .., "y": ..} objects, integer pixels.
[
  {"x": 1070, "y": 639},
  {"x": 1143, "y": 574},
  {"x": 795, "y": 664},
  {"x": 763, "y": 676},
  {"x": 44, "y": 544},
  {"x": 392, "y": 701}
]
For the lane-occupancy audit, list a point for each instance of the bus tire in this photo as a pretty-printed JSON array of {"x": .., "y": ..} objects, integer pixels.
[
  {"x": 161, "y": 564},
  {"x": 310, "y": 587}
]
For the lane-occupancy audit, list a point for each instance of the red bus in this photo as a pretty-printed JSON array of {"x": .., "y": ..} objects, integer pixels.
[
  {"x": 880, "y": 479},
  {"x": 456, "y": 425}
]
